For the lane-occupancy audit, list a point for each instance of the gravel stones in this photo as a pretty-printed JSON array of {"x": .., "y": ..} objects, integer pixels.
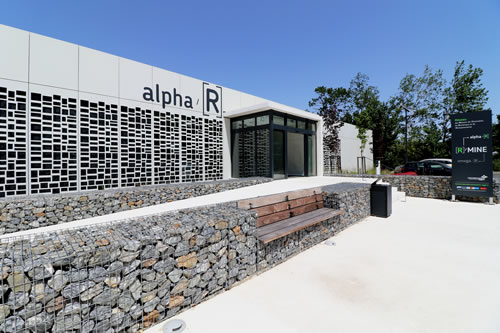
[
  {"x": 75, "y": 289},
  {"x": 59, "y": 280},
  {"x": 187, "y": 261},
  {"x": 4, "y": 312},
  {"x": 146, "y": 270},
  {"x": 19, "y": 282},
  {"x": 40, "y": 323},
  {"x": 12, "y": 324},
  {"x": 28, "y": 212}
]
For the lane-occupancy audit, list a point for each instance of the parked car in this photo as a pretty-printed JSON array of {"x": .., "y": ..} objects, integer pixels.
[
  {"x": 432, "y": 168},
  {"x": 446, "y": 161},
  {"x": 410, "y": 167}
]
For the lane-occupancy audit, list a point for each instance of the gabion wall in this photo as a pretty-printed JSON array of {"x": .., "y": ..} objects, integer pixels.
[
  {"x": 124, "y": 276},
  {"x": 29, "y": 212},
  {"x": 353, "y": 198},
  {"x": 438, "y": 187},
  {"x": 127, "y": 276}
]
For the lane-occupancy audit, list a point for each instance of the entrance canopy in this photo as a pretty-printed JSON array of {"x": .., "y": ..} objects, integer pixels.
[
  {"x": 272, "y": 106},
  {"x": 274, "y": 140}
]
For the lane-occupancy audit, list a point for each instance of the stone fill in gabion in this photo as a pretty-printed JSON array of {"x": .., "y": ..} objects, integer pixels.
[
  {"x": 124, "y": 277},
  {"x": 30, "y": 212},
  {"x": 437, "y": 187},
  {"x": 129, "y": 275}
]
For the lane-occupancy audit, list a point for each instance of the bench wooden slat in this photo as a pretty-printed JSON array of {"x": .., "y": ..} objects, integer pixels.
[
  {"x": 271, "y": 209},
  {"x": 278, "y": 226},
  {"x": 304, "y": 193},
  {"x": 294, "y": 224},
  {"x": 272, "y": 218},
  {"x": 268, "y": 219},
  {"x": 306, "y": 200},
  {"x": 281, "y": 206},
  {"x": 306, "y": 208},
  {"x": 276, "y": 198}
]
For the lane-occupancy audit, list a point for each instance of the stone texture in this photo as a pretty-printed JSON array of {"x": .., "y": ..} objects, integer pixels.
[
  {"x": 28, "y": 212},
  {"x": 187, "y": 261},
  {"x": 437, "y": 187},
  {"x": 147, "y": 269},
  {"x": 19, "y": 282}
]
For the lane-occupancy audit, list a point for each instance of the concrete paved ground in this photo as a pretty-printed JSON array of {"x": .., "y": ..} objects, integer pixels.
[
  {"x": 277, "y": 186},
  {"x": 433, "y": 266}
]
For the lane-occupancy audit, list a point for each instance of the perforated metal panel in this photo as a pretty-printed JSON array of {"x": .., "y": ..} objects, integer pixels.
[
  {"x": 53, "y": 143},
  {"x": 99, "y": 162},
  {"x": 213, "y": 149},
  {"x": 60, "y": 144},
  {"x": 13, "y": 142}
]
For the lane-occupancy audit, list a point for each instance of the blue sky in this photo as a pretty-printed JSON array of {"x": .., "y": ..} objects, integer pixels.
[{"x": 280, "y": 50}]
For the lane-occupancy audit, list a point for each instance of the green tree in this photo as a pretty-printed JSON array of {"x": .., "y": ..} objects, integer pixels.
[
  {"x": 332, "y": 105},
  {"x": 368, "y": 112},
  {"x": 465, "y": 94},
  {"x": 420, "y": 100},
  {"x": 359, "y": 105},
  {"x": 496, "y": 136},
  {"x": 430, "y": 100}
]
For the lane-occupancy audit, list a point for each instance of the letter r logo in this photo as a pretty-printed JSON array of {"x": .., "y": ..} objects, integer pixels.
[
  {"x": 212, "y": 100},
  {"x": 460, "y": 150}
]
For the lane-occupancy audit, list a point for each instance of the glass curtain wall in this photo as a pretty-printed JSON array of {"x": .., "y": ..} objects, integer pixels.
[{"x": 273, "y": 144}]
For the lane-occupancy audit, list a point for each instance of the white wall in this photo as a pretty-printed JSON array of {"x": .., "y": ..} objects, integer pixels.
[{"x": 350, "y": 148}]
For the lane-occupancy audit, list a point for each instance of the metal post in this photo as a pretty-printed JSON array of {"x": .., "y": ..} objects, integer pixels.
[
  {"x": 453, "y": 197},
  {"x": 490, "y": 201}
]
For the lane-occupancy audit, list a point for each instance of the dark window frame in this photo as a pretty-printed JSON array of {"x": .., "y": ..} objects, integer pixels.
[{"x": 271, "y": 127}]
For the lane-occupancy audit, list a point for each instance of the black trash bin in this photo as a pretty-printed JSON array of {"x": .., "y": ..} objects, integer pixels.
[{"x": 381, "y": 200}]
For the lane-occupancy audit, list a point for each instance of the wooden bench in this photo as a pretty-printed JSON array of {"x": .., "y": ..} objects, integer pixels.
[{"x": 281, "y": 214}]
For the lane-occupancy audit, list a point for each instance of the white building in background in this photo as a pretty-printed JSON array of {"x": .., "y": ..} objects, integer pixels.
[
  {"x": 352, "y": 153},
  {"x": 350, "y": 148},
  {"x": 76, "y": 119}
]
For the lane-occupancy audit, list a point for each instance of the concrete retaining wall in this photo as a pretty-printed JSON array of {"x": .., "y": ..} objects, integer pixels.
[
  {"x": 126, "y": 276},
  {"x": 29, "y": 212}
]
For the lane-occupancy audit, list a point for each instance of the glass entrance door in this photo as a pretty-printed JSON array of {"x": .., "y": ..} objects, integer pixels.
[
  {"x": 296, "y": 154},
  {"x": 279, "y": 154}
]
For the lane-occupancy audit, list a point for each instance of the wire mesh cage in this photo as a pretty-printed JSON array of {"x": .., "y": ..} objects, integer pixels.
[{"x": 120, "y": 277}]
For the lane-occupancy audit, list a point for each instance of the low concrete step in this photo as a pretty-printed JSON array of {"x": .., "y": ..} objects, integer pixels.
[{"x": 397, "y": 196}]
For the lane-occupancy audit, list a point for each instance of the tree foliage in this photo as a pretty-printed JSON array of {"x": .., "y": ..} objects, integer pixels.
[
  {"x": 496, "y": 135},
  {"x": 428, "y": 100},
  {"x": 331, "y": 104}
]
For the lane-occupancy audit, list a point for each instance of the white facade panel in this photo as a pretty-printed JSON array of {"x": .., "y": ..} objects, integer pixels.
[
  {"x": 98, "y": 72},
  {"x": 231, "y": 99},
  {"x": 14, "y": 56},
  {"x": 249, "y": 100},
  {"x": 99, "y": 142},
  {"x": 14, "y": 136},
  {"x": 54, "y": 140},
  {"x": 53, "y": 62},
  {"x": 194, "y": 89},
  {"x": 350, "y": 148},
  {"x": 134, "y": 77}
]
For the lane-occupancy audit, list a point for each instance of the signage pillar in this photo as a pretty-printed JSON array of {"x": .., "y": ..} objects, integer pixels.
[{"x": 472, "y": 172}]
